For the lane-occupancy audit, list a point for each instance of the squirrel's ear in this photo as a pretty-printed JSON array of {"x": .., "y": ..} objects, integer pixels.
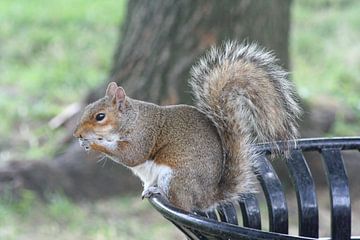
[
  {"x": 111, "y": 88},
  {"x": 120, "y": 98}
]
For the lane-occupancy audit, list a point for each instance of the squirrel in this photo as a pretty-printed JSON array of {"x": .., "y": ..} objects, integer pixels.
[{"x": 199, "y": 157}]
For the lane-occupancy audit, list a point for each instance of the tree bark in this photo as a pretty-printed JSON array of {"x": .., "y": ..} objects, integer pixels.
[{"x": 159, "y": 42}]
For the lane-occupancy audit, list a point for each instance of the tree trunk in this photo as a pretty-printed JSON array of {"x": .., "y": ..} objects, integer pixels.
[
  {"x": 161, "y": 39},
  {"x": 159, "y": 42}
]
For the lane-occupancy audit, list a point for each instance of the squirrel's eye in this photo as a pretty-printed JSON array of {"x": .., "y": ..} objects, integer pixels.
[{"x": 100, "y": 116}]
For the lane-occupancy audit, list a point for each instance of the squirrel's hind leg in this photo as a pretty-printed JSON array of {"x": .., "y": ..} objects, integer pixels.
[{"x": 185, "y": 195}]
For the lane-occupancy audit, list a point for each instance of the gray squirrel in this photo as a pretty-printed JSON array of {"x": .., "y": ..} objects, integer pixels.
[{"x": 198, "y": 156}]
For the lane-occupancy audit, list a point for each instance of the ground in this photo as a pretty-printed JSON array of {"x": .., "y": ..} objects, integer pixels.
[{"x": 118, "y": 218}]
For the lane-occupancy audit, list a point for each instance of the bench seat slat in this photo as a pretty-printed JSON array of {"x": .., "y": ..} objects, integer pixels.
[
  {"x": 250, "y": 210},
  {"x": 304, "y": 186},
  {"x": 274, "y": 194},
  {"x": 339, "y": 193},
  {"x": 227, "y": 213}
]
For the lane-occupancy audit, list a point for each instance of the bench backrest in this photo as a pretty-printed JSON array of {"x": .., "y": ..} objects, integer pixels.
[{"x": 222, "y": 222}]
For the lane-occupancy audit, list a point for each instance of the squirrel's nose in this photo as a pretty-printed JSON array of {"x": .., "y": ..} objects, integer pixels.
[{"x": 77, "y": 133}]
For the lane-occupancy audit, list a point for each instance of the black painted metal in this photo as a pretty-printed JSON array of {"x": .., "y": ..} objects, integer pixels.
[
  {"x": 250, "y": 211},
  {"x": 339, "y": 193},
  {"x": 200, "y": 213},
  {"x": 274, "y": 194},
  {"x": 188, "y": 233},
  {"x": 212, "y": 215},
  {"x": 227, "y": 213},
  {"x": 316, "y": 144},
  {"x": 207, "y": 226},
  {"x": 305, "y": 192}
]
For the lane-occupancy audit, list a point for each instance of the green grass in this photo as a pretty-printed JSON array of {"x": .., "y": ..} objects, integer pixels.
[
  {"x": 52, "y": 53},
  {"x": 61, "y": 219},
  {"x": 326, "y": 56}
]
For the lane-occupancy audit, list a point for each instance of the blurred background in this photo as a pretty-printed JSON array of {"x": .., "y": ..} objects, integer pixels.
[{"x": 57, "y": 56}]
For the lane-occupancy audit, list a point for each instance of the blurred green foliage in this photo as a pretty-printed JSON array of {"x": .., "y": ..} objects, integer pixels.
[
  {"x": 61, "y": 219},
  {"x": 52, "y": 53},
  {"x": 325, "y": 53}
]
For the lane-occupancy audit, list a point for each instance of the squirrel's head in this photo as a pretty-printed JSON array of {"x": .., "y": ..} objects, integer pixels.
[{"x": 106, "y": 122}]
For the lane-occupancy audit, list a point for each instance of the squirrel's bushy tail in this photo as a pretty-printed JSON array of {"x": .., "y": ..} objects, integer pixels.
[{"x": 248, "y": 97}]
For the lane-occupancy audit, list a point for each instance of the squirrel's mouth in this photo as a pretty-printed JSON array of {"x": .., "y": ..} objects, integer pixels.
[
  {"x": 85, "y": 144},
  {"x": 99, "y": 143},
  {"x": 88, "y": 143}
]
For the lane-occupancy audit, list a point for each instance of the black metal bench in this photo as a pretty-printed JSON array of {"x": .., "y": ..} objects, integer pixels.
[{"x": 222, "y": 223}]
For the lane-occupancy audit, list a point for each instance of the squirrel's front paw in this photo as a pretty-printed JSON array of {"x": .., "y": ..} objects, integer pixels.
[{"x": 147, "y": 193}]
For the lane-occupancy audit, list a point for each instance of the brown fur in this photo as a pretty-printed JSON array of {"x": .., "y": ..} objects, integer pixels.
[
  {"x": 242, "y": 98},
  {"x": 99, "y": 148},
  {"x": 247, "y": 96}
]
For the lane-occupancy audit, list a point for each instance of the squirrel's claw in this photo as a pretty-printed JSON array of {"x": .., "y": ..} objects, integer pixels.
[{"x": 147, "y": 193}]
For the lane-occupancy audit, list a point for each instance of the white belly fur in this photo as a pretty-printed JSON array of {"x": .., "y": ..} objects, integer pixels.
[{"x": 152, "y": 174}]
